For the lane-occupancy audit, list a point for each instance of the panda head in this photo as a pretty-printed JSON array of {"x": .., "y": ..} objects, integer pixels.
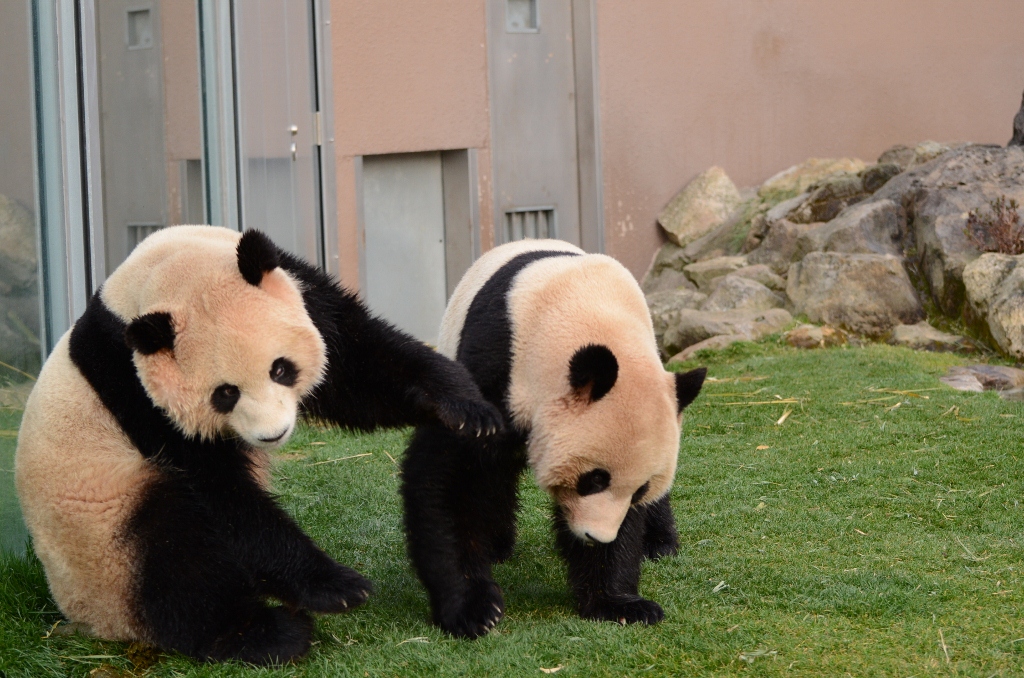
[
  {"x": 612, "y": 440},
  {"x": 220, "y": 336}
]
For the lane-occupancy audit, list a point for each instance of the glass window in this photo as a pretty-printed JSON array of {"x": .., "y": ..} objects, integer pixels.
[{"x": 20, "y": 303}]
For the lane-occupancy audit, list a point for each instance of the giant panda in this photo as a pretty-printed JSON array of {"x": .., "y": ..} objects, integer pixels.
[
  {"x": 562, "y": 343},
  {"x": 142, "y": 458}
]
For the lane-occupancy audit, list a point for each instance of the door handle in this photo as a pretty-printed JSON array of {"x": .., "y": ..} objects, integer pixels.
[{"x": 294, "y": 130}]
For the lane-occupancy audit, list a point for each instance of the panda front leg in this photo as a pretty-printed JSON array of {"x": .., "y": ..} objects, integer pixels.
[
  {"x": 460, "y": 499},
  {"x": 605, "y": 577},
  {"x": 661, "y": 538}
]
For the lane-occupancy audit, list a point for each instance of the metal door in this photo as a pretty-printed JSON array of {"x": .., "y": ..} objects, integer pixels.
[
  {"x": 533, "y": 99},
  {"x": 277, "y": 123}
]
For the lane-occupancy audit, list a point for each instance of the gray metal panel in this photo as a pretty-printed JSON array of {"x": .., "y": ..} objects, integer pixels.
[
  {"x": 587, "y": 126},
  {"x": 404, "y": 248},
  {"x": 132, "y": 124},
  {"x": 277, "y": 122},
  {"x": 533, "y": 114},
  {"x": 460, "y": 222}
]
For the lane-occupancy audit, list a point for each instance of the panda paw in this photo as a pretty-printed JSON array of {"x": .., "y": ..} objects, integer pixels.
[
  {"x": 659, "y": 548},
  {"x": 625, "y": 610},
  {"x": 476, "y": 613},
  {"x": 338, "y": 590},
  {"x": 468, "y": 417}
]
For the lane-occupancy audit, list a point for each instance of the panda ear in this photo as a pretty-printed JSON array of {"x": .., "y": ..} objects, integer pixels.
[
  {"x": 593, "y": 370},
  {"x": 688, "y": 385},
  {"x": 150, "y": 333},
  {"x": 257, "y": 254}
]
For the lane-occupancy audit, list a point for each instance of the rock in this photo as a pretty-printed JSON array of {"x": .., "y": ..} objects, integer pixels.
[
  {"x": 779, "y": 247},
  {"x": 983, "y": 378},
  {"x": 762, "y": 274},
  {"x": 813, "y": 336},
  {"x": 867, "y": 228},
  {"x": 829, "y": 197},
  {"x": 937, "y": 197},
  {"x": 702, "y": 272},
  {"x": 798, "y": 178},
  {"x": 668, "y": 279},
  {"x": 700, "y": 206},
  {"x": 924, "y": 337},
  {"x": 876, "y": 176},
  {"x": 734, "y": 292},
  {"x": 19, "y": 332},
  {"x": 692, "y": 327},
  {"x": 994, "y": 287},
  {"x": 728, "y": 238},
  {"x": 666, "y": 306},
  {"x": 865, "y": 293},
  {"x": 907, "y": 157},
  {"x": 712, "y": 343},
  {"x": 1018, "y": 127},
  {"x": 18, "y": 262}
]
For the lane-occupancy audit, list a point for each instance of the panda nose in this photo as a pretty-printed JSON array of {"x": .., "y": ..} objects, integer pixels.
[{"x": 275, "y": 438}]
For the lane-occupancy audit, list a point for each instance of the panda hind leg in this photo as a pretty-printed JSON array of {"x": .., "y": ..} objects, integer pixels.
[
  {"x": 460, "y": 501},
  {"x": 661, "y": 537},
  {"x": 605, "y": 577}
]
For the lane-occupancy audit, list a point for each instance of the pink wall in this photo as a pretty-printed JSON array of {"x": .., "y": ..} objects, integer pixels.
[
  {"x": 758, "y": 85},
  {"x": 408, "y": 76}
]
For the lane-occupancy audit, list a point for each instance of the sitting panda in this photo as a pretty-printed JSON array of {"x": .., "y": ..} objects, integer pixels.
[
  {"x": 562, "y": 343},
  {"x": 142, "y": 466}
]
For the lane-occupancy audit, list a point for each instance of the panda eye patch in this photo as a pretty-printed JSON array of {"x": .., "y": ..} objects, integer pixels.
[
  {"x": 593, "y": 482},
  {"x": 640, "y": 493},
  {"x": 284, "y": 372},
  {"x": 225, "y": 397}
]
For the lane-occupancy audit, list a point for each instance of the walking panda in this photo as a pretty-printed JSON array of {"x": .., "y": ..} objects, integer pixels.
[
  {"x": 562, "y": 343},
  {"x": 142, "y": 466}
]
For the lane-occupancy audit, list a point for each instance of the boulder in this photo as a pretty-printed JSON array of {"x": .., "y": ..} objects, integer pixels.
[
  {"x": 908, "y": 157},
  {"x": 1018, "y": 127},
  {"x": 865, "y": 293},
  {"x": 937, "y": 197},
  {"x": 924, "y": 337},
  {"x": 778, "y": 249},
  {"x": 813, "y": 336},
  {"x": 798, "y": 178},
  {"x": 700, "y": 206},
  {"x": 19, "y": 331},
  {"x": 983, "y": 378},
  {"x": 665, "y": 307},
  {"x": 994, "y": 287},
  {"x": 668, "y": 279},
  {"x": 713, "y": 343},
  {"x": 703, "y": 272},
  {"x": 691, "y": 327},
  {"x": 735, "y": 292},
  {"x": 18, "y": 262},
  {"x": 829, "y": 197},
  {"x": 867, "y": 228},
  {"x": 763, "y": 274},
  {"x": 728, "y": 238}
]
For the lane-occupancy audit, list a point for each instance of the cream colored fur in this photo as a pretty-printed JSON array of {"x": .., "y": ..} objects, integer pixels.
[
  {"x": 78, "y": 476},
  {"x": 559, "y": 305}
]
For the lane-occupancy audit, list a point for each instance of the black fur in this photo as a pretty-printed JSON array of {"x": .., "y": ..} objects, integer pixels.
[
  {"x": 257, "y": 255},
  {"x": 688, "y": 385},
  {"x": 150, "y": 333},
  {"x": 461, "y": 496},
  {"x": 211, "y": 543},
  {"x": 593, "y": 370}
]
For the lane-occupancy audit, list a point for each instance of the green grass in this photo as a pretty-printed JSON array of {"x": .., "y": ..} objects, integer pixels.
[{"x": 858, "y": 539}]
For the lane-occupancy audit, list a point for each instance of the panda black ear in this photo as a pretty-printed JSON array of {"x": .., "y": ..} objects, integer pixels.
[
  {"x": 688, "y": 385},
  {"x": 150, "y": 333},
  {"x": 257, "y": 254},
  {"x": 593, "y": 370}
]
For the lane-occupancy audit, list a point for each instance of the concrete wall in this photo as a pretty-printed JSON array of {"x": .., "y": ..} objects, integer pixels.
[
  {"x": 758, "y": 85},
  {"x": 407, "y": 76}
]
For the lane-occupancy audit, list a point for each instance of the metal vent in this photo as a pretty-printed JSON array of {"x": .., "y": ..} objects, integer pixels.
[
  {"x": 530, "y": 222},
  {"x": 139, "y": 232},
  {"x": 521, "y": 16}
]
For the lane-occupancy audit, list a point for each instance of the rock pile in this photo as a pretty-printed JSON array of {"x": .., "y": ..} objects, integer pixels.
[
  {"x": 19, "y": 289},
  {"x": 861, "y": 248}
]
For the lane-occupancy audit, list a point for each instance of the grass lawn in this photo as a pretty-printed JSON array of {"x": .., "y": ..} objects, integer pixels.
[{"x": 871, "y": 533}]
